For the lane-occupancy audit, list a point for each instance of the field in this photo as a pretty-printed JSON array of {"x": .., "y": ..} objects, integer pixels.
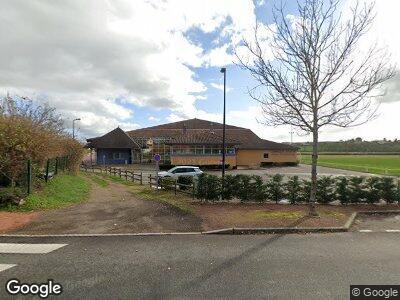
[{"x": 376, "y": 164}]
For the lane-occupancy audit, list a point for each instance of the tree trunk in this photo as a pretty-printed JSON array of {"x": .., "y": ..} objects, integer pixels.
[{"x": 313, "y": 211}]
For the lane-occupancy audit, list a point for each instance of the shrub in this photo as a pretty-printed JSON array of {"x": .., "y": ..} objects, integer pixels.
[
  {"x": 373, "y": 189},
  {"x": 342, "y": 190},
  {"x": 274, "y": 188},
  {"x": 305, "y": 190},
  {"x": 258, "y": 191},
  {"x": 167, "y": 183},
  {"x": 184, "y": 180},
  {"x": 356, "y": 191},
  {"x": 398, "y": 191},
  {"x": 325, "y": 189},
  {"x": 10, "y": 196},
  {"x": 244, "y": 188},
  {"x": 31, "y": 132},
  {"x": 208, "y": 187},
  {"x": 388, "y": 189},
  {"x": 230, "y": 187},
  {"x": 293, "y": 189}
]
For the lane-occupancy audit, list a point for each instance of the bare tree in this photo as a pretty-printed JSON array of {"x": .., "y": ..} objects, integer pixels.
[
  {"x": 42, "y": 115},
  {"x": 318, "y": 74}
]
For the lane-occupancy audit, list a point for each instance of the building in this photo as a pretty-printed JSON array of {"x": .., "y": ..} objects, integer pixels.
[{"x": 190, "y": 142}]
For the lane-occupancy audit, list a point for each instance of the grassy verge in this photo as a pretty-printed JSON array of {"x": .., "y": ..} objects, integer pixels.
[
  {"x": 63, "y": 190},
  {"x": 99, "y": 180},
  {"x": 375, "y": 164}
]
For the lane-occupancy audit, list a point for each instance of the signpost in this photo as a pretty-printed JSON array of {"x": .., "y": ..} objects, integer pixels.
[{"x": 157, "y": 158}]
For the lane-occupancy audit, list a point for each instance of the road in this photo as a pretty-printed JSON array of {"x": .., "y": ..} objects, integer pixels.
[{"x": 314, "y": 266}]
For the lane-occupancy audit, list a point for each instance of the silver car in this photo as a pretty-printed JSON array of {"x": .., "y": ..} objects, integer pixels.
[{"x": 175, "y": 172}]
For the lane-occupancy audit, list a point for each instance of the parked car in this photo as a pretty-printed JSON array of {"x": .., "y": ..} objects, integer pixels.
[{"x": 175, "y": 172}]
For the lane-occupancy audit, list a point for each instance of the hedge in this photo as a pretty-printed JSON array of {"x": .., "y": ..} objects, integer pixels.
[{"x": 252, "y": 188}]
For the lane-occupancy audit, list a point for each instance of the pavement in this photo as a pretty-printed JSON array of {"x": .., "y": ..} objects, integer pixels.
[{"x": 312, "y": 266}]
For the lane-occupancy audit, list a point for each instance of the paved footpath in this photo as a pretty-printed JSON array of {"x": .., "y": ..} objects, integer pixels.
[{"x": 313, "y": 266}]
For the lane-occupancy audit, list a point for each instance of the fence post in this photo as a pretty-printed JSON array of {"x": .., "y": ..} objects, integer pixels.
[
  {"x": 175, "y": 185},
  {"x": 126, "y": 175},
  {"x": 56, "y": 169},
  {"x": 46, "y": 178},
  {"x": 29, "y": 174},
  {"x": 119, "y": 172},
  {"x": 141, "y": 178},
  {"x": 194, "y": 190}
]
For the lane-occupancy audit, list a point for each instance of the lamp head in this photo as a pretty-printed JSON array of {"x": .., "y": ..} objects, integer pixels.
[{"x": 223, "y": 70}]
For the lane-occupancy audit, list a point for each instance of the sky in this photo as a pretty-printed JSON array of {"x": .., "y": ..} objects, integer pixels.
[{"x": 136, "y": 64}]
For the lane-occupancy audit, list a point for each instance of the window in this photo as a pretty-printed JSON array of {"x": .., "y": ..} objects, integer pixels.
[
  {"x": 118, "y": 155},
  {"x": 265, "y": 155},
  {"x": 230, "y": 151}
]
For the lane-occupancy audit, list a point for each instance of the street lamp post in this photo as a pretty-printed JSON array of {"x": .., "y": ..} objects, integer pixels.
[
  {"x": 73, "y": 127},
  {"x": 223, "y": 70}
]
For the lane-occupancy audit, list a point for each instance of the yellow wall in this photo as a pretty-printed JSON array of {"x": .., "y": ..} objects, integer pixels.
[
  {"x": 202, "y": 160},
  {"x": 250, "y": 158},
  {"x": 253, "y": 158}
]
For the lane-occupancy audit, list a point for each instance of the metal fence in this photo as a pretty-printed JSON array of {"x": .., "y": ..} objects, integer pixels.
[{"x": 32, "y": 174}]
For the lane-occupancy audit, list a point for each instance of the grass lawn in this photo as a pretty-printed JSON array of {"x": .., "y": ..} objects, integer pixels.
[
  {"x": 61, "y": 191},
  {"x": 376, "y": 164},
  {"x": 99, "y": 180}
]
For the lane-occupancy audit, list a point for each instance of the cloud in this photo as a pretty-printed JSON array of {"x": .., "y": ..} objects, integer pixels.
[
  {"x": 220, "y": 87},
  {"x": 153, "y": 119},
  {"x": 92, "y": 59}
]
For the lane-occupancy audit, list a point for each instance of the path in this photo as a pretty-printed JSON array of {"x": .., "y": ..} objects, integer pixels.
[{"x": 112, "y": 209}]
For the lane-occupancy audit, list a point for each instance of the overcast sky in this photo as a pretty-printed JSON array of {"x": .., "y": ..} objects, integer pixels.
[{"x": 140, "y": 63}]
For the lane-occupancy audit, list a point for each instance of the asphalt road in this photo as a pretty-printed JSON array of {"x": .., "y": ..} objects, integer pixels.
[{"x": 314, "y": 266}]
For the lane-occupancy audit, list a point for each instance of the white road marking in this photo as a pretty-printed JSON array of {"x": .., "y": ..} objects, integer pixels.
[
  {"x": 29, "y": 248},
  {"x": 392, "y": 230},
  {"x": 365, "y": 230},
  {"x": 4, "y": 267}
]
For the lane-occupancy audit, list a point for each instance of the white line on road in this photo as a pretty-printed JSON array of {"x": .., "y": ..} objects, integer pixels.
[
  {"x": 29, "y": 248},
  {"x": 365, "y": 230},
  {"x": 4, "y": 267},
  {"x": 392, "y": 230}
]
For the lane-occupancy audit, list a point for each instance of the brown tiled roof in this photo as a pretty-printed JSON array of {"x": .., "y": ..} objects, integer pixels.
[
  {"x": 200, "y": 131},
  {"x": 116, "y": 138}
]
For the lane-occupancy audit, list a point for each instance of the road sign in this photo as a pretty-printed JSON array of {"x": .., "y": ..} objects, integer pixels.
[{"x": 157, "y": 157}]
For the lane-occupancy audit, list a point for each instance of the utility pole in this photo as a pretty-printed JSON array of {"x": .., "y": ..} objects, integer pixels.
[
  {"x": 73, "y": 127},
  {"x": 223, "y": 70}
]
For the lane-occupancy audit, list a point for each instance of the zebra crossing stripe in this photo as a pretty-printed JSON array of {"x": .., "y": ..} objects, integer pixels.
[
  {"x": 392, "y": 230},
  {"x": 365, "y": 230},
  {"x": 4, "y": 267},
  {"x": 29, "y": 248}
]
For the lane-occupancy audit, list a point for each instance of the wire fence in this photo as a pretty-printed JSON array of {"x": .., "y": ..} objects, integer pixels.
[{"x": 32, "y": 175}]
